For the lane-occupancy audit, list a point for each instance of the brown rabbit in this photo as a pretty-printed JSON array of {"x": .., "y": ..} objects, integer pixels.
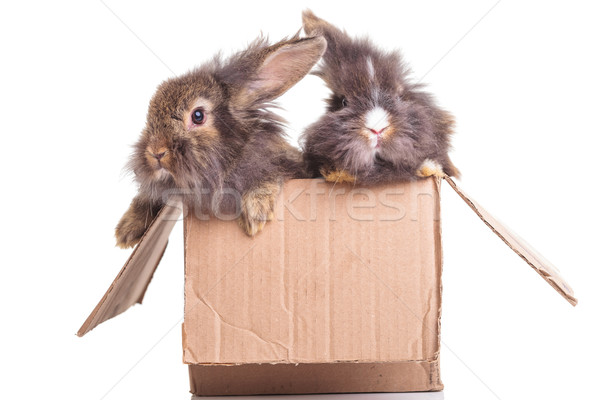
[
  {"x": 379, "y": 127},
  {"x": 211, "y": 138}
]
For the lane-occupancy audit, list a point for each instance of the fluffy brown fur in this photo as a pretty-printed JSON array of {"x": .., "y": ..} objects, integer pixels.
[
  {"x": 414, "y": 139},
  {"x": 234, "y": 162}
]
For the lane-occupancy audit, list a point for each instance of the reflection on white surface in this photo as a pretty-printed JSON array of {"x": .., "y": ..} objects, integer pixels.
[{"x": 353, "y": 396}]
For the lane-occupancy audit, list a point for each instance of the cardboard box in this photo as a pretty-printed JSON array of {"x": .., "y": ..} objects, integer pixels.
[{"x": 340, "y": 293}]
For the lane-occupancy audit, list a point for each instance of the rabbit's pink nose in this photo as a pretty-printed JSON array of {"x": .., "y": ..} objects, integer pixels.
[
  {"x": 159, "y": 156},
  {"x": 379, "y": 132}
]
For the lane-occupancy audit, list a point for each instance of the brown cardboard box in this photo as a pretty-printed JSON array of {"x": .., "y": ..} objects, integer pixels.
[{"x": 341, "y": 292}]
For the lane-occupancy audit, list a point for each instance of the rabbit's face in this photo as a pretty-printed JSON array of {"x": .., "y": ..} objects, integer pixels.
[
  {"x": 370, "y": 109},
  {"x": 186, "y": 127},
  {"x": 372, "y": 113},
  {"x": 198, "y": 124}
]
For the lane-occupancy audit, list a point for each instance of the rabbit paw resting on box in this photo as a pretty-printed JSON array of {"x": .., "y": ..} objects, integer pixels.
[
  {"x": 134, "y": 223},
  {"x": 430, "y": 168},
  {"x": 337, "y": 176},
  {"x": 257, "y": 207},
  {"x": 211, "y": 138},
  {"x": 379, "y": 127}
]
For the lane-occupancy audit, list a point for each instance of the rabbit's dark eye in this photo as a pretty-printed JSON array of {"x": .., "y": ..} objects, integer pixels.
[
  {"x": 344, "y": 102},
  {"x": 198, "y": 116}
]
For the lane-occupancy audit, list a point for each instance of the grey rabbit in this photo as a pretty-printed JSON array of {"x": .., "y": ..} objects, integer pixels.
[{"x": 379, "y": 127}]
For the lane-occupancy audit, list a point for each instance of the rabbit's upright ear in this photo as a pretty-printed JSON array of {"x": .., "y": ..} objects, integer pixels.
[
  {"x": 314, "y": 26},
  {"x": 339, "y": 44},
  {"x": 283, "y": 65}
]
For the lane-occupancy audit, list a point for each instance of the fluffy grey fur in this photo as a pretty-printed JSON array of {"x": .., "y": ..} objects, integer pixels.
[{"x": 362, "y": 77}]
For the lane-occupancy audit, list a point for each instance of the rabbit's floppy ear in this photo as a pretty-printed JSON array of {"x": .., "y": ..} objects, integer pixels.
[{"x": 283, "y": 65}]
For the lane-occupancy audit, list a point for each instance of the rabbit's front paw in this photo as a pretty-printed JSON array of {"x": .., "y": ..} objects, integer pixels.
[
  {"x": 338, "y": 176},
  {"x": 257, "y": 208},
  {"x": 129, "y": 231},
  {"x": 430, "y": 168}
]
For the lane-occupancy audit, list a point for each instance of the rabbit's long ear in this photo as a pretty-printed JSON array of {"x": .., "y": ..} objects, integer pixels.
[
  {"x": 314, "y": 25},
  {"x": 283, "y": 65}
]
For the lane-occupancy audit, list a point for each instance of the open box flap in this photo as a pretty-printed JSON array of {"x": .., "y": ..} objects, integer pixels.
[
  {"x": 519, "y": 246},
  {"x": 132, "y": 281}
]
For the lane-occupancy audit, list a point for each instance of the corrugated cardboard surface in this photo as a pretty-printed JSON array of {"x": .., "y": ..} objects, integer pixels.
[{"x": 342, "y": 274}]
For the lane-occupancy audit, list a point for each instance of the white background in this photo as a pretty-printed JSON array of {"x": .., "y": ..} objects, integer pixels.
[{"x": 75, "y": 82}]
